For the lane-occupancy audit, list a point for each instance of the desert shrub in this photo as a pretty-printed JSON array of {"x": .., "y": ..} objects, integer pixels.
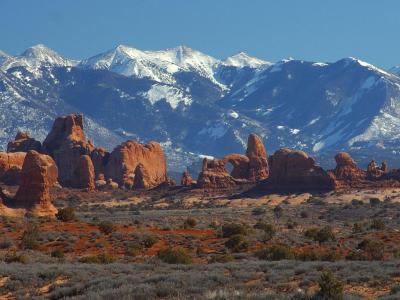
[
  {"x": 66, "y": 214},
  {"x": 268, "y": 229},
  {"x": 14, "y": 257},
  {"x": 374, "y": 201},
  {"x": 237, "y": 243},
  {"x": 329, "y": 287},
  {"x": 103, "y": 258},
  {"x": 278, "y": 212},
  {"x": 5, "y": 243},
  {"x": 357, "y": 228},
  {"x": 378, "y": 224},
  {"x": 276, "y": 252},
  {"x": 190, "y": 223},
  {"x": 304, "y": 214},
  {"x": 174, "y": 256},
  {"x": 106, "y": 227},
  {"x": 58, "y": 253},
  {"x": 356, "y": 202},
  {"x": 148, "y": 241},
  {"x": 133, "y": 249},
  {"x": 291, "y": 224},
  {"x": 257, "y": 211},
  {"x": 221, "y": 258},
  {"x": 320, "y": 235},
  {"x": 233, "y": 229},
  {"x": 373, "y": 250},
  {"x": 30, "y": 236}
]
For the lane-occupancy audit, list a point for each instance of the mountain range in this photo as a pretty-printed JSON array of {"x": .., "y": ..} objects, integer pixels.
[{"x": 196, "y": 105}]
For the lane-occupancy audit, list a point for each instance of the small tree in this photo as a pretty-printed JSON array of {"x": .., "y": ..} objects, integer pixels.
[
  {"x": 106, "y": 227},
  {"x": 66, "y": 214},
  {"x": 189, "y": 223},
  {"x": 330, "y": 287},
  {"x": 29, "y": 239},
  {"x": 278, "y": 212},
  {"x": 174, "y": 256}
]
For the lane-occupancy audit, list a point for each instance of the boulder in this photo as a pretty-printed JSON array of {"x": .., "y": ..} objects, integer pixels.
[
  {"x": 295, "y": 171},
  {"x": 39, "y": 173},
  {"x": 66, "y": 143},
  {"x": 100, "y": 182},
  {"x": 131, "y": 159},
  {"x": 214, "y": 175},
  {"x": 23, "y": 143},
  {"x": 11, "y": 166}
]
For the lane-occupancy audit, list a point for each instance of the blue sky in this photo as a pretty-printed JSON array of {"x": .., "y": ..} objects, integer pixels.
[{"x": 321, "y": 30}]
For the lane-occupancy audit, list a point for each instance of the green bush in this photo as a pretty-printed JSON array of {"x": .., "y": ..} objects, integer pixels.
[
  {"x": 29, "y": 239},
  {"x": 58, "y": 253},
  {"x": 174, "y": 256},
  {"x": 378, "y": 224},
  {"x": 237, "y": 243},
  {"x": 278, "y": 212},
  {"x": 257, "y": 211},
  {"x": 269, "y": 229},
  {"x": 15, "y": 258},
  {"x": 106, "y": 227},
  {"x": 66, "y": 214},
  {"x": 189, "y": 223},
  {"x": 373, "y": 250},
  {"x": 103, "y": 258},
  {"x": 320, "y": 235},
  {"x": 148, "y": 241},
  {"x": 374, "y": 201},
  {"x": 221, "y": 258},
  {"x": 133, "y": 249},
  {"x": 329, "y": 287},
  {"x": 276, "y": 252},
  {"x": 357, "y": 228},
  {"x": 233, "y": 229}
]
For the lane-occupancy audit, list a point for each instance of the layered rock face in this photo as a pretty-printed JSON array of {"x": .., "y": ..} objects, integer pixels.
[
  {"x": 134, "y": 165},
  {"x": 292, "y": 170},
  {"x": 11, "y": 166},
  {"x": 214, "y": 175},
  {"x": 39, "y": 173},
  {"x": 23, "y": 143},
  {"x": 66, "y": 143}
]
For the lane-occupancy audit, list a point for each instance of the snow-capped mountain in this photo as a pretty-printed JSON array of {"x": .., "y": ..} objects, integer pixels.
[
  {"x": 195, "y": 104},
  {"x": 395, "y": 70}
]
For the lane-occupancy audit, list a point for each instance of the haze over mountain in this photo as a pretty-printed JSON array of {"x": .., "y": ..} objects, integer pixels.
[{"x": 195, "y": 104}]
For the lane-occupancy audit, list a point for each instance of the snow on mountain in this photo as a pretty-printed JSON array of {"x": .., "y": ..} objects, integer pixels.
[
  {"x": 35, "y": 58},
  {"x": 195, "y": 104},
  {"x": 395, "y": 70},
  {"x": 242, "y": 59}
]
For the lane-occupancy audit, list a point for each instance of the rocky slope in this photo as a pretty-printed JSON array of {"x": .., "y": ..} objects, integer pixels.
[{"x": 196, "y": 105}]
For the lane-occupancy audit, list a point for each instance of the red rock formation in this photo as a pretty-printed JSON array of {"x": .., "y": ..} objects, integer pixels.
[
  {"x": 39, "y": 173},
  {"x": 66, "y": 143},
  {"x": 131, "y": 159},
  {"x": 254, "y": 165},
  {"x": 346, "y": 172},
  {"x": 258, "y": 162},
  {"x": 23, "y": 143},
  {"x": 214, "y": 175},
  {"x": 84, "y": 177},
  {"x": 240, "y": 165},
  {"x": 11, "y": 166},
  {"x": 187, "y": 180},
  {"x": 99, "y": 158},
  {"x": 292, "y": 170}
]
